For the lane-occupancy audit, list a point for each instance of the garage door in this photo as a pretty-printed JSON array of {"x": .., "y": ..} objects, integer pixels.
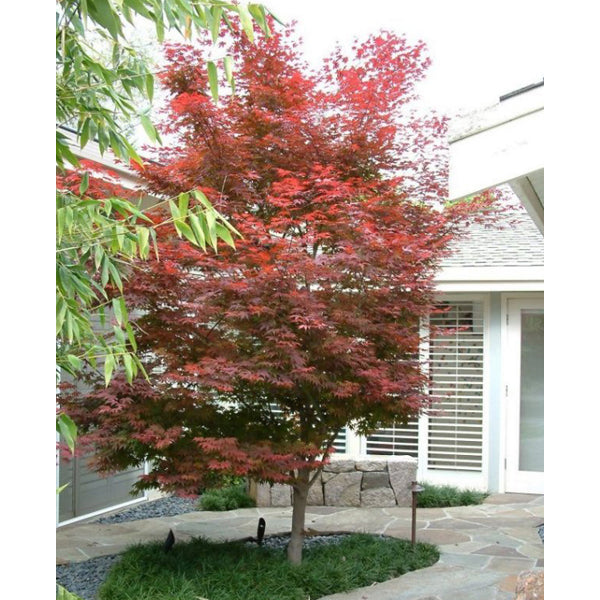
[{"x": 88, "y": 492}]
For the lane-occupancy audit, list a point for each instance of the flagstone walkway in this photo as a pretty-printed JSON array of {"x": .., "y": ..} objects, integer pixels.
[{"x": 483, "y": 548}]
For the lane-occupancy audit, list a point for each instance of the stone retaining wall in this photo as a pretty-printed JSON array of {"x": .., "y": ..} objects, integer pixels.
[{"x": 373, "y": 481}]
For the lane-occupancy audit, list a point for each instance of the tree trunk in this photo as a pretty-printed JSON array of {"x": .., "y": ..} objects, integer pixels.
[{"x": 294, "y": 549}]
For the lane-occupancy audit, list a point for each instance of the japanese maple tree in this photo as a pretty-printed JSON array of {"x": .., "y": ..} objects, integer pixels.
[{"x": 260, "y": 355}]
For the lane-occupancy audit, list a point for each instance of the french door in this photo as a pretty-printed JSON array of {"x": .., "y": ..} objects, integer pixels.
[{"x": 525, "y": 396}]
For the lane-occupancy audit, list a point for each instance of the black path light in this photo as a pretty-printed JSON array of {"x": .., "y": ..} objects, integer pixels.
[
  {"x": 415, "y": 488},
  {"x": 169, "y": 541},
  {"x": 260, "y": 532}
]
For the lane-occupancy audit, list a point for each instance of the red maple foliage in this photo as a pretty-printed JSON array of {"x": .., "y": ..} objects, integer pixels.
[{"x": 262, "y": 354}]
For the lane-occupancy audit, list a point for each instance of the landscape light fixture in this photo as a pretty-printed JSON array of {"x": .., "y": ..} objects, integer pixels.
[{"x": 415, "y": 488}]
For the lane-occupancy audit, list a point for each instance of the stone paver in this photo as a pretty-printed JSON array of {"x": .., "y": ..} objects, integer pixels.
[{"x": 483, "y": 548}]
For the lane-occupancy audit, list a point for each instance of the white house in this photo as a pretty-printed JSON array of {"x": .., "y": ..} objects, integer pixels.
[{"x": 488, "y": 432}]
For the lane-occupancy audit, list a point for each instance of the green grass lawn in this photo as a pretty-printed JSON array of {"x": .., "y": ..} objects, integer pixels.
[{"x": 236, "y": 571}]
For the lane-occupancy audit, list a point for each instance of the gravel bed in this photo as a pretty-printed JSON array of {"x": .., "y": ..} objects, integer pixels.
[
  {"x": 278, "y": 542},
  {"x": 162, "y": 507},
  {"x": 85, "y": 578}
]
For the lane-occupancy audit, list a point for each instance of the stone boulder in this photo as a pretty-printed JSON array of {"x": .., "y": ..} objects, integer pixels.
[
  {"x": 281, "y": 495},
  {"x": 402, "y": 471},
  {"x": 339, "y": 466},
  {"x": 377, "y": 497},
  {"x": 375, "y": 479},
  {"x": 530, "y": 586},
  {"x": 343, "y": 489},
  {"x": 315, "y": 493}
]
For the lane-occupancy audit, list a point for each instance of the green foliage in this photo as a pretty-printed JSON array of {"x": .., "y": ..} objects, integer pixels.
[
  {"x": 67, "y": 429},
  {"x": 440, "y": 496},
  {"x": 229, "y": 497},
  {"x": 94, "y": 96},
  {"x": 63, "y": 594},
  {"x": 97, "y": 242},
  {"x": 98, "y": 238},
  {"x": 234, "y": 570}
]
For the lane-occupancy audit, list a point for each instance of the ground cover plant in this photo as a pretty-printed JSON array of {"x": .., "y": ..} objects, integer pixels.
[
  {"x": 228, "y": 497},
  {"x": 260, "y": 355},
  {"x": 440, "y": 496},
  {"x": 235, "y": 570}
]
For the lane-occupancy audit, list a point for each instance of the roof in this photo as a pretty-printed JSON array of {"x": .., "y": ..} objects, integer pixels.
[
  {"x": 519, "y": 244},
  {"x": 509, "y": 258},
  {"x": 502, "y": 144}
]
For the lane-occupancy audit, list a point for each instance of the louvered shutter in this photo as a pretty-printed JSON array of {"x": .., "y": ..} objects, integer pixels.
[
  {"x": 395, "y": 441},
  {"x": 340, "y": 442},
  {"x": 455, "y": 428}
]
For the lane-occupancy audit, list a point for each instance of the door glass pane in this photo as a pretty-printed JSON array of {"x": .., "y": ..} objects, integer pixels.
[{"x": 531, "y": 438}]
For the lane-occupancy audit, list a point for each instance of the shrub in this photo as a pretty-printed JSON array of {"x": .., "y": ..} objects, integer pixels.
[
  {"x": 440, "y": 496},
  {"x": 228, "y": 497}
]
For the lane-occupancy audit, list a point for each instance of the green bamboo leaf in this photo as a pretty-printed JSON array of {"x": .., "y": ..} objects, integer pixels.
[
  {"x": 216, "y": 22},
  {"x": 131, "y": 336},
  {"x": 154, "y": 242},
  {"x": 84, "y": 184},
  {"x": 103, "y": 14},
  {"x": 75, "y": 362},
  {"x": 116, "y": 278},
  {"x": 258, "y": 12},
  {"x": 186, "y": 230},
  {"x": 61, "y": 311},
  {"x": 129, "y": 367},
  {"x": 198, "y": 230},
  {"x": 64, "y": 594},
  {"x": 66, "y": 427},
  {"x": 223, "y": 233},
  {"x": 60, "y": 223},
  {"x": 149, "y": 80},
  {"x": 228, "y": 66},
  {"x": 119, "y": 336},
  {"x": 246, "y": 21},
  {"x": 85, "y": 132},
  {"x": 69, "y": 321},
  {"x": 104, "y": 275},
  {"x": 101, "y": 316},
  {"x": 202, "y": 198},
  {"x": 109, "y": 365},
  {"x": 132, "y": 153},
  {"x": 174, "y": 210},
  {"x": 117, "y": 311},
  {"x": 98, "y": 255},
  {"x": 184, "y": 200},
  {"x": 211, "y": 222},
  {"x": 107, "y": 206},
  {"x": 124, "y": 313},
  {"x": 149, "y": 128},
  {"x": 140, "y": 367},
  {"x": 58, "y": 594},
  {"x": 143, "y": 235},
  {"x": 69, "y": 218},
  {"x": 213, "y": 79},
  {"x": 119, "y": 233}
]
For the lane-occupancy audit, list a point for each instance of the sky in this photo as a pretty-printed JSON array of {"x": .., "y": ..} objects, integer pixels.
[{"x": 480, "y": 50}]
